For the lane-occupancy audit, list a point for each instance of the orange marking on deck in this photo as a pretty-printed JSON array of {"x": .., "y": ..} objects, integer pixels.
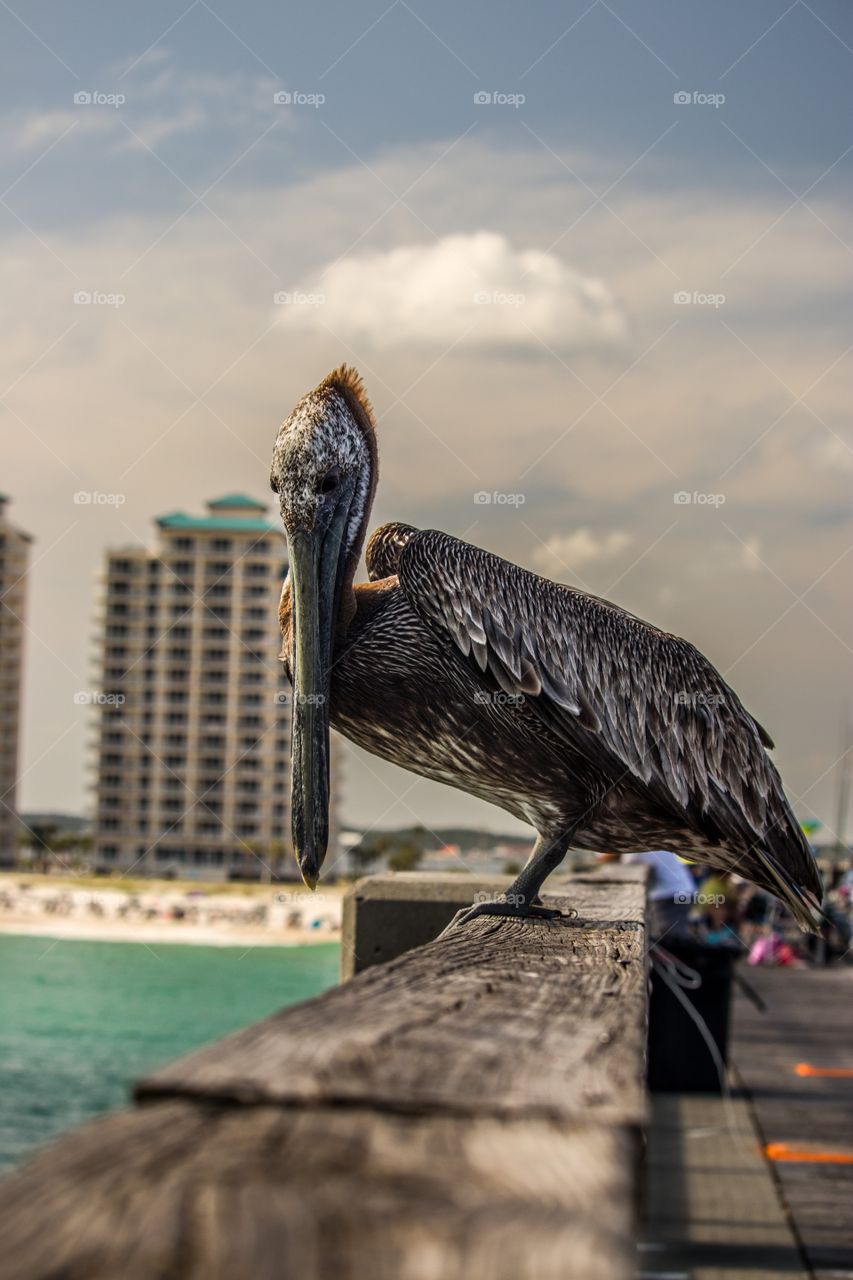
[
  {"x": 801, "y": 1155},
  {"x": 830, "y": 1073}
]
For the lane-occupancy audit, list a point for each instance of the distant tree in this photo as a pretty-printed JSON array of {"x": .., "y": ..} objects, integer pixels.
[
  {"x": 69, "y": 849},
  {"x": 374, "y": 846},
  {"x": 364, "y": 856},
  {"x": 41, "y": 838},
  {"x": 511, "y": 868},
  {"x": 405, "y": 857}
]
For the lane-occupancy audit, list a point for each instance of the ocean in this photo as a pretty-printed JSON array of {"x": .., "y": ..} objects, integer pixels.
[{"x": 79, "y": 1021}]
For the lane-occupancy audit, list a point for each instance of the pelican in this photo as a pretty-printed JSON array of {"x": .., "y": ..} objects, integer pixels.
[{"x": 595, "y": 727}]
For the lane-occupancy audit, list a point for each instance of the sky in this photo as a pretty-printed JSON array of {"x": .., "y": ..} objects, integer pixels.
[{"x": 593, "y": 261}]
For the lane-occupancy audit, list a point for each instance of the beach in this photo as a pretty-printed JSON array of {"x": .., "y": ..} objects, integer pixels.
[{"x": 212, "y": 915}]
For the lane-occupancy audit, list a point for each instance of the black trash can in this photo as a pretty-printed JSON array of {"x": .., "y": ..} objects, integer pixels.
[{"x": 680, "y": 1060}]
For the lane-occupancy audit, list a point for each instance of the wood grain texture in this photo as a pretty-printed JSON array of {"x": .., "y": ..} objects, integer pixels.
[
  {"x": 470, "y": 1110},
  {"x": 181, "y": 1189},
  {"x": 501, "y": 1017}
]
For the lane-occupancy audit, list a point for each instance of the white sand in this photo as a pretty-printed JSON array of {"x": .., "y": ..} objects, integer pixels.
[
  {"x": 269, "y": 919},
  {"x": 164, "y": 931}
]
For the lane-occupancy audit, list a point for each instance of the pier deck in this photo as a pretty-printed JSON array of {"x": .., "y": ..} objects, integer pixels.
[
  {"x": 808, "y": 1024},
  {"x": 718, "y": 1206}
]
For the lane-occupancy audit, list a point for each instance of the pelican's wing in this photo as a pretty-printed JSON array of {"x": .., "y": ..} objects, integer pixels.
[
  {"x": 385, "y": 548},
  {"x": 607, "y": 682}
]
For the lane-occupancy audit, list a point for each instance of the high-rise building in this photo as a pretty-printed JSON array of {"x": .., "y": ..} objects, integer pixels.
[
  {"x": 14, "y": 555},
  {"x": 194, "y": 708}
]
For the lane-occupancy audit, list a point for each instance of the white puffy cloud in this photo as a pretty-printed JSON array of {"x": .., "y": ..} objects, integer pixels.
[
  {"x": 474, "y": 290},
  {"x": 571, "y": 550}
]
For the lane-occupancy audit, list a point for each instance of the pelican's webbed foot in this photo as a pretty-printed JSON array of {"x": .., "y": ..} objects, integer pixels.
[{"x": 520, "y": 910}]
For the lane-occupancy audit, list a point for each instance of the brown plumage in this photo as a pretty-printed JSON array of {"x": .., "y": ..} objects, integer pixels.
[{"x": 597, "y": 728}]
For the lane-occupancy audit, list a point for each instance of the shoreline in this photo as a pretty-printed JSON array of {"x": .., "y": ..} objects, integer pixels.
[
  {"x": 186, "y": 915},
  {"x": 163, "y": 933}
]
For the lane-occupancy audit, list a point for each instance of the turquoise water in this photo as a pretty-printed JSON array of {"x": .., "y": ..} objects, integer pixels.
[{"x": 79, "y": 1021}]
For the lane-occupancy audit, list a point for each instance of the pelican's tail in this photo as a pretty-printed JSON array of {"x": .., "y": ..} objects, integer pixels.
[{"x": 802, "y": 900}]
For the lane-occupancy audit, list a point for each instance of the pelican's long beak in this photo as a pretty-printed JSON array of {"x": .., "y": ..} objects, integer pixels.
[{"x": 317, "y": 561}]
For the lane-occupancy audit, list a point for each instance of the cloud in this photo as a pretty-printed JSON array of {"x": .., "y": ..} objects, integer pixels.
[
  {"x": 713, "y": 558},
  {"x": 94, "y": 386},
  {"x": 155, "y": 101},
  {"x": 474, "y": 290},
  {"x": 571, "y": 550},
  {"x": 835, "y": 454},
  {"x": 40, "y": 128},
  {"x": 749, "y": 556}
]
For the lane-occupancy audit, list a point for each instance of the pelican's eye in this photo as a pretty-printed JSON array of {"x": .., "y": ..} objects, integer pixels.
[{"x": 330, "y": 482}]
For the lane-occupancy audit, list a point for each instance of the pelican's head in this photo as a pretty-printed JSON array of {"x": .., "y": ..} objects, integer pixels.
[{"x": 324, "y": 472}]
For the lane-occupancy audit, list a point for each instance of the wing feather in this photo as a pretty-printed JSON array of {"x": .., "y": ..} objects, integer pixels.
[
  {"x": 385, "y": 548},
  {"x": 603, "y": 678}
]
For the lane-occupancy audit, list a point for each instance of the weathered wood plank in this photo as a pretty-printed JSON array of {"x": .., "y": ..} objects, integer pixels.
[
  {"x": 500, "y": 1017},
  {"x": 181, "y": 1189},
  {"x": 388, "y": 914},
  {"x": 470, "y": 1109}
]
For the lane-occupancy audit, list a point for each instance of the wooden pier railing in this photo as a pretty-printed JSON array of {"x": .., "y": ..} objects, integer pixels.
[{"x": 470, "y": 1110}]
